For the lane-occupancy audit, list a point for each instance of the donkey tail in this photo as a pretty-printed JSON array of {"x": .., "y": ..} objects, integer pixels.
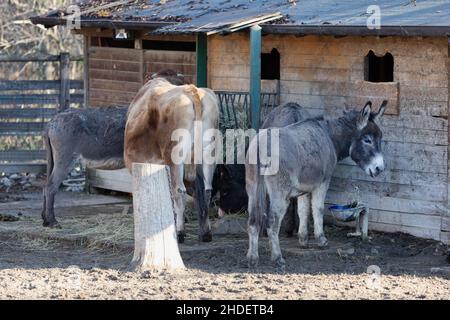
[{"x": 48, "y": 147}]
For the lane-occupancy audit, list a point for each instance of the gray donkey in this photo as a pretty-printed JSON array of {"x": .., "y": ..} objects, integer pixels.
[
  {"x": 308, "y": 153},
  {"x": 94, "y": 134},
  {"x": 283, "y": 116}
]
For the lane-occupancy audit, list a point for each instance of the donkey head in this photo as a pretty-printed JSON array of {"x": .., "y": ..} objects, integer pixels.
[
  {"x": 172, "y": 76},
  {"x": 365, "y": 148}
]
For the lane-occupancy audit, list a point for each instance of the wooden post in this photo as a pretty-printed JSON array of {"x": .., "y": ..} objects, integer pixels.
[
  {"x": 64, "y": 74},
  {"x": 155, "y": 238},
  {"x": 255, "y": 76},
  {"x": 202, "y": 60},
  {"x": 87, "y": 44}
]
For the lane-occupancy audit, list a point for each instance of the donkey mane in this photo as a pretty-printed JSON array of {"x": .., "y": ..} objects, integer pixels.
[{"x": 340, "y": 129}]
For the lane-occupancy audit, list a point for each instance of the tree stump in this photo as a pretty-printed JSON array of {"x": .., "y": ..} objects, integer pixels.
[{"x": 155, "y": 240}]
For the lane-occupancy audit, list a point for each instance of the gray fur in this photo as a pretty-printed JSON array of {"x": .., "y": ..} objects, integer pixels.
[
  {"x": 309, "y": 151},
  {"x": 283, "y": 116},
  {"x": 95, "y": 134}
]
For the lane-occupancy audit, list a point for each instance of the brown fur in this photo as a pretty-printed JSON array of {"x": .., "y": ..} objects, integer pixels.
[{"x": 159, "y": 109}]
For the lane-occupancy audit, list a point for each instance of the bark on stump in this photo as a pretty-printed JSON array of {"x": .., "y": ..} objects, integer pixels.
[{"x": 155, "y": 244}]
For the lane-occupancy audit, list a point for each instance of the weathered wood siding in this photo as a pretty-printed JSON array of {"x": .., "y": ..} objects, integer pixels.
[
  {"x": 181, "y": 61},
  {"x": 116, "y": 74},
  {"x": 445, "y": 224},
  {"x": 326, "y": 75}
]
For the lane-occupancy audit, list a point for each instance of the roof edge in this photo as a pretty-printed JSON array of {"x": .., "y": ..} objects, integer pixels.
[
  {"x": 346, "y": 30},
  {"x": 300, "y": 30},
  {"x": 50, "y": 22}
]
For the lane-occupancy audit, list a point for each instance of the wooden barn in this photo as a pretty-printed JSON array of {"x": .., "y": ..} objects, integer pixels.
[{"x": 322, "y": 54}]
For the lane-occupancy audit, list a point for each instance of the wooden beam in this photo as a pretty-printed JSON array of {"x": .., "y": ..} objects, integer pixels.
[
  {"x": 23, "y": 167},
  {"x": 22, "y": 85},
  {"x": 202, "y": 60},
  {"x": 255, "y": 76},
  {"x": 23, "y": 155},
  {"x": 43, "y": 58},
  {"x": 64, "y": 74},
  {"x": 21, "y": 128},
  {"x": 87, "y": 43},
  {"x": 13, "y": 113}
]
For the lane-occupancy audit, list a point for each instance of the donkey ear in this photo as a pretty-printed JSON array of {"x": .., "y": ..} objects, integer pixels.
[
  {"x": 364, "y": 116},
  {"x": 380, "y": 112}
]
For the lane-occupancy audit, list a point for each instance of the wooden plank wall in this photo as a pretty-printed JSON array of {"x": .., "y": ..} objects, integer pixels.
[
  {"x": 183, "y": 62},
  {"x": 445, "y": 224},
  {"x": 326, "y": 75},
  {"x": 116, "y": 74}
]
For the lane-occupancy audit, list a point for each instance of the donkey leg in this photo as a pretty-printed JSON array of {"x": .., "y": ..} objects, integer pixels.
[
  {"x": 289, "y": 218},
  {"x": 317, "y": 204},
  {"x": 278, "y": 207},
  {"x": 179, "y": 195},
  {"x": 62, "y": 165},
  {"x": 303, "y": 211},
  {"x": 253, "y": 235},
  {"x": 208, "y": 173}
]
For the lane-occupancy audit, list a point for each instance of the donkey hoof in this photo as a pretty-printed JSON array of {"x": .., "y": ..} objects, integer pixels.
[
  {"x": 303, "y": 241},
  {"x": 52, "y": 224},
  {"x": 304, "y": 245},
  {"x": 181, "y": 235},
  {"x": 206, "y": 237},
  {"x": 322, "y": 242},
  {"x": 252, "y": 262},
  {"x": 280, "y": 264}
]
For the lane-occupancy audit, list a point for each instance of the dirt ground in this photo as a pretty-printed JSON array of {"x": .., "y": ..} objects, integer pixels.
[{"x": 44, "y": 268}]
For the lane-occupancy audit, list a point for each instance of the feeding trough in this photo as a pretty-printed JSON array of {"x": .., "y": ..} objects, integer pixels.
[{"x": 353, "y": 212}]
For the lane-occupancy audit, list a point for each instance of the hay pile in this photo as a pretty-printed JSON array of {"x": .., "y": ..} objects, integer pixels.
[
  {"x": 99, "y": 230},
  {"x": 113, "y": 230}
]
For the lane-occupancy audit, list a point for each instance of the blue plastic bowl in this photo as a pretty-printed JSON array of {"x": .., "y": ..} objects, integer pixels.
[{"x": 345, "y": 213}]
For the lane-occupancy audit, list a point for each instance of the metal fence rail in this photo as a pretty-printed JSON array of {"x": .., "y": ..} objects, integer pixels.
[
  {"x": 235, "y": 109},
  {"x": 27, "y": 105}
]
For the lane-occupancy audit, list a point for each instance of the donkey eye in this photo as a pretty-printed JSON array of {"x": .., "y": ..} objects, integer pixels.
[{"x": 368, "y": 141}]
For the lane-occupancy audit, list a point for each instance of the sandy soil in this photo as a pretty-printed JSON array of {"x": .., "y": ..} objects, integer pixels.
[
  {"x": 49, "y": 270},
  {"x": 39, "y": 268}
]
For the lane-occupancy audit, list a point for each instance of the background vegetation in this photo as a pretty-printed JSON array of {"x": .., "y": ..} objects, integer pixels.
[{"x": 19, "y": 37}]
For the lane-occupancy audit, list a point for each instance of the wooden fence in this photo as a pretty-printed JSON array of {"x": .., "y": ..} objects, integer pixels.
[{"x": 26, "y": 106}]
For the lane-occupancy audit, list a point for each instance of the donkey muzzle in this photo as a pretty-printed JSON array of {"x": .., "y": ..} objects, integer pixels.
[{"x": 376, "y": 166}]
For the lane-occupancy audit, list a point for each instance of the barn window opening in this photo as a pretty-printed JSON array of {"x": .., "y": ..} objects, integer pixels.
[
  {"x": 270, "y": 65},
  {"x": 169, "y": 45},
  {"x": 379, "y": 69},
  {"x": 111, "y": 43}
]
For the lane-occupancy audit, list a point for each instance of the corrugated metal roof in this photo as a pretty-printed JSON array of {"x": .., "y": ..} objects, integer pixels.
[
  {"x": 220, "y": 23},
  {"x": 189, "y": 15}
]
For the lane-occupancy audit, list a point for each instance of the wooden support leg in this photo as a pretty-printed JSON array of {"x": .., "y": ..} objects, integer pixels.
[{"x": 364, "y": 224}]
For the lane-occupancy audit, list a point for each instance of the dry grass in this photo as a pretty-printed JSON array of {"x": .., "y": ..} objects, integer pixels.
[
  {"x": 102, "y": 229},
  {"x": 96, "y": 231}
]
